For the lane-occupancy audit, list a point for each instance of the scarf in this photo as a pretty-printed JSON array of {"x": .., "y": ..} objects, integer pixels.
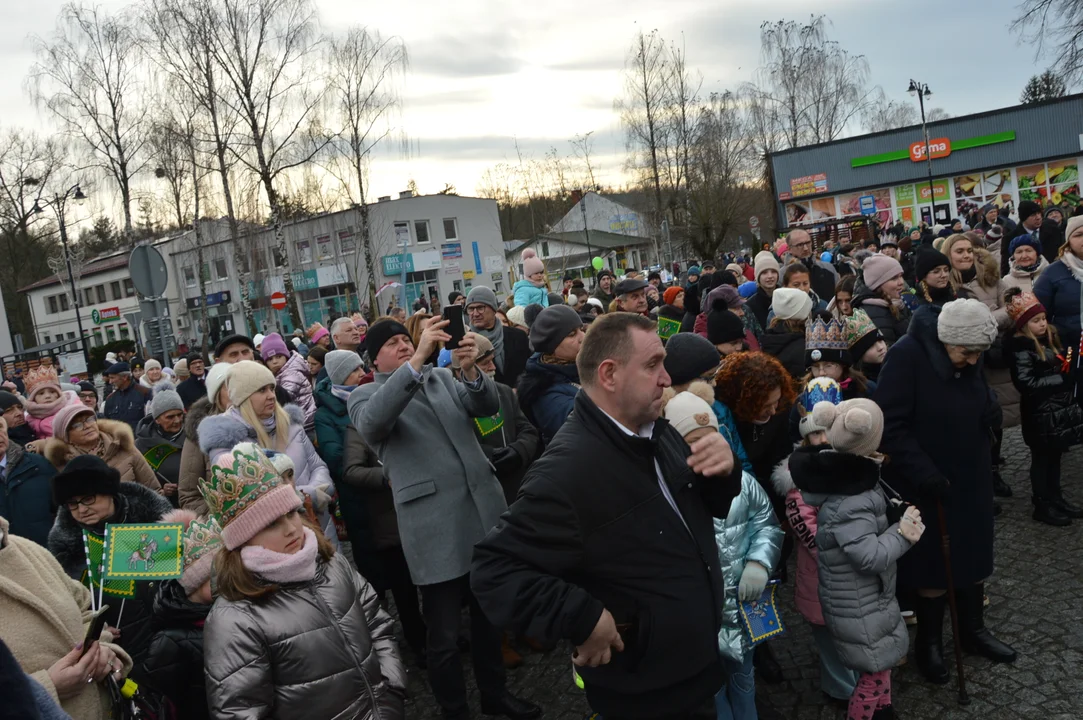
[
  {"x": 1028, "y": 270},
  {"x": 969, "y": 274},
  {"x": 45, "y": 410},
  {"x": 939, "y": 296},
  {"x": 1074, "y": 264},
  {"x": 279, "y": 567},
  {"x": 98, "y": 449},
  {"x": 495, "y": 335},
  {"x": 342, "y": 392},
  {"x": 554, "y": 360}
]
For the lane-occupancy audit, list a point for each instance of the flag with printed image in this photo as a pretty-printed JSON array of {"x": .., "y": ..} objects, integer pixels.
[
  {"x": 667, "y": 328},
  {"x": 761, "y": 618},
  {"x": 143, "y": 551},
  {"x": 95, "y": 546}
]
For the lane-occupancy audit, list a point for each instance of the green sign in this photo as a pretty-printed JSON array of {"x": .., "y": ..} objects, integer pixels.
[
  {"x": 393, "y": 264},
  {"x": 143, "y": 552},
  {"x": 668, "y": 328},
  {"x": 904, "y": 195},
  {"x": 904, "y": 154},
  {"x": 489, "y": 425}
]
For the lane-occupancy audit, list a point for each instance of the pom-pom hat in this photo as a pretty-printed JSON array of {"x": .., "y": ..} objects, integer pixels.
[{"x": 853, "y": 426}]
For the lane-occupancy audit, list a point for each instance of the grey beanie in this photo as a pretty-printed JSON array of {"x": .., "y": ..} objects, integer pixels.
[
  {"x": 552, "y": 325},
  {"x": 968, "y": 323},
  {"x": 165, "y": 399},
  {"x": 339, "y": 364},
  {"x": 483, "y": 295}
]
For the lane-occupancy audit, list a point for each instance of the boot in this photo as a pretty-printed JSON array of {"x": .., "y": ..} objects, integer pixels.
[
  {"x": 1046, "y": 511},
  {"x": 512, "y": 659},
  {"x": 885, "y": 713},
  {"x": 1066, "y": 508},
  {"x": 1000, "y": 488},
  {"x": 929, "y": 642},
  {"x": 766, "y": 665},
  {"x": 974, "y": 636}
]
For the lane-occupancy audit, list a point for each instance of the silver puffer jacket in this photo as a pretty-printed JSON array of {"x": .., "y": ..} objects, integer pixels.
[
  {"x": 318, "y": 649},
  {"x": 749, "y": 532}
]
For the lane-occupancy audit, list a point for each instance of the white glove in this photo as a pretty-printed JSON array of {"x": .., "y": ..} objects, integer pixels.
[
  {"x": 753, "y": 581},
  {"x": 911, "y": 527},
  {"x": 320, "y": 499}
]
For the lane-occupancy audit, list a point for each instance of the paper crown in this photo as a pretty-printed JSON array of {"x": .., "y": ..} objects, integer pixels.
[
  {"x": 41, "y": 377},
  {"x": 1022, "y": 307},
  {"x": 820, "y": 389},
  {"x": 858, "y": 326},
  {"x": 237, "y": 481},
  {"x": 820, "y": 335},
  {"x": 200, "y": 540}
]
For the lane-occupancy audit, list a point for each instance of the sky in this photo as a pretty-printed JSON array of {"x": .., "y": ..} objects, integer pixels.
[{"x": 487, "y": 73}]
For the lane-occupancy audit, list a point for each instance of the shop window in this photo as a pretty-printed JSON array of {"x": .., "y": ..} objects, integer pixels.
[
  {"x": 347, "y": 241},
  {"x": 64, "y": 302},
  {"x": 279, "y": 257},
  {"x": 221, "y": 271},
  {"x": 324, "y": 251},
  {"x": 451, "y": 229},
  {"x": 114, "y": 289},
  {"x": 421, "y": 230},
  {"x": 129, "y": 288},
  {"x": 304, "y": 251},
  {"x": 100, "y": 291}
]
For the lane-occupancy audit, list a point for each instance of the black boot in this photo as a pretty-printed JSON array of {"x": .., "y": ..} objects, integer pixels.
[
  {"x": 510, "y": 706},
  {"x": 974, "y": 636},
  {"x": 1056, "y": 497},
  {"x": 766, "y": 665},
  {"x": 1049, "y": 513},
  {"x": 1000, "y": 488},
  {"x": 929, "y": 643}
]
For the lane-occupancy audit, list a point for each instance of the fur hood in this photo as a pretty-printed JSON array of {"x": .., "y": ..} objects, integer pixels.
[
  {"x": 200, "y": 410},
  {"x": 988, "y": 267},
  {"x": 782, "y": 479},
  {"x": 118, "y": 436},
  {"x": 699, "y": 388},
  {"x": 228, "y": 429},
  {"x": 820, "y": 471},
  {"x": 136, "y": 504}
]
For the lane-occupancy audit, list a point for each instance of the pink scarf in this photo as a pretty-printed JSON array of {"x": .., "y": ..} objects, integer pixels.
[
  {"x": 281, "y": 568},
  {"x": 47, "y": 410}
]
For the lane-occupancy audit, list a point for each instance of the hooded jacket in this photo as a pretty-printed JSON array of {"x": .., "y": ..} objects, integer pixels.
[
  {"x": 120, "y": 453},
  {"x": 547, "y": 394},
  {"x": 858, "y": 551},
  {"x": 787, "y": 347},
  {"x": 1059, "y": 290},
  {"x": 1020, "y": 278},
  {"x": 194, "y": 465},
  {"x": 294, "y": 379},
  {"x": 174, "y": 659},
  {"x": 527, "y": 293},
  {"x": 26, "y": 495},
  {"x": 803, "y": 522}
]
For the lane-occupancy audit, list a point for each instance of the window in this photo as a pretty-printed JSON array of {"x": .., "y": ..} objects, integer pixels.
[
  {"x": 97, "y": 337},
  {"x": 64, "y": 304},
  {"x": 324, "y": 251},
  {"x": 457, "y": 285},
  {"x": 129, "y": 288},
  {"x": 100, "y": 290},
  {"x": 279, "y": 258},
  {"x": 545, "y": 248},
  {"x": 47, "y": 340},
  {"x": 89, "y": 295},
  {"x": 451, "y": 229},
  {"x": 304, "y": 251},
  {"x": 402, "y": 234},
  {"x": 421, "y": 230},
  {"x": 347, "y": 241},
  {"x": 114, "y": 288},
  {"x": 246, "y": 266},
  {"x": 110, "y": 334},
  {"x": 189, "y": 276},
  {"x": 71, "y": 336},
  {"x": 498, "y": 287},
  {"x": 205, "y": 272},
  {"x": 221, "y": 272},
  {"x": 123, "y": 332},
  {"x": 54, "y": 308}
]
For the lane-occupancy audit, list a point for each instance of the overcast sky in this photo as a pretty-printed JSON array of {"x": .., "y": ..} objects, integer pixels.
[{"x": 484, "y": 72}]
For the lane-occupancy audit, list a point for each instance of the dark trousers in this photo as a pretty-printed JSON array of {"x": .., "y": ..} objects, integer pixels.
[
  {"x": 707, "y": 712},
  {"x": 1045, "y": 473},
  {"x": 396, "y": 578},
  {"x": 443, "y": 604}
]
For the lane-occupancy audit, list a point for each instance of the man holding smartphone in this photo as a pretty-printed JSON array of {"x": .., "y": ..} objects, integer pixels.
[{"x": 447, "y": 498}]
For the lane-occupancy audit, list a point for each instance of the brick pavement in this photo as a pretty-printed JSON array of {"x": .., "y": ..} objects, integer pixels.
[{"x": 1037, "y": 606}]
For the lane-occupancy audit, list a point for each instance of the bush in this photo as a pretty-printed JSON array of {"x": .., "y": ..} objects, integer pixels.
[{"x": 97, "y": 354}]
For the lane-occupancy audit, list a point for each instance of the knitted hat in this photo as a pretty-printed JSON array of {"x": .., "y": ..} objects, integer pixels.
[
  {"x": 483, "y": 295},
  {"x": 245, "y": 378},
  {"x": 531, "y": 312},
  {"x": 791, "y": 304},
  {"x": 735, "y": 269},
  {"x": 165, "y": 398},
  {"x": 1073, "y": 224},
  {"x": 233, "y": 340},
  {"x": 747, "y": 289},
  {"x": 723, "y": 327},
  {"x": 258, "y": 339},
  {"x": 485, "y": 348},
  {"x": 728, "y": 295},
  {"x": 181, "y": 368},
  {"x": 1022, "y": 307},
  {"x": 968, "y": 323},
  {"x": 1028, "y": 208},
  {"x": 39, "y": 379},
  {"x": 152, "y": 364},
  {"x": 687, "y": 412},
  {"x": 246, "y": 493},
  {"x": 272, "y": 345},
  {"x": 555, "y": 298},
  {"x": 317, "y": 332},
  {"x": 136, "y": 363},
  {"x": 765, "y": 261},
  {"x": 670, "y": 295},
  {"x": 694, "y": 270},
  {"x": 7, "y": 400},
  {"x": 1025, "y": 240},
  {"x": 283, "y": 463},
  {"x": 64, "y": 418},
  {"x": 878, "y": 269},
  {"x": 218, "y": 374},
  {"x": 606, "y": 272},
  {"x": 928, "y": 260},
  {"x": 820, "y": 389},
  {"x": 688, "y": 356},
  {"x": 517, "y": 315},
  {"x": 853, "y": 426},
  {"x": 552, "y": 325},
  {"x": 86, "y": 386},
  {"x": 531, "y": 263},
  {"x": 379, "y": 333},
  {"x": 360, "y": 322},
  {"x": 825, "y": 342},
  {"x": 84, "y": 475},
  {"x": 860, "y": 333},
  {"x": 339, "y": 364},
  {"x": 453, "y": 296},
  {"x": 200, "y": 542},
  {"x": 994, "y": 233}
]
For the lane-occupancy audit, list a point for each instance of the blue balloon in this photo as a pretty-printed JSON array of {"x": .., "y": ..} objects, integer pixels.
[{"x": 826, "y": 257}]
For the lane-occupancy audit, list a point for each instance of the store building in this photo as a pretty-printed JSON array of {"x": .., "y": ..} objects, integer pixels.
[{"x": 1000, "y": 157}]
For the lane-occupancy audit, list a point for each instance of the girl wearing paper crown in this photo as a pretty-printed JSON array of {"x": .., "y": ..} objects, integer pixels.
[
  {"x": 531, "y": 289},
  {"x": 44, "y": 399},
  {"x": 1052, "y": 419},
  {"x": 749, "y": 543},
  {"x": 858, "y": 548},
  {"x": 174, "y": 662},
  {"x": 295, "y": 631},
  {"x": 866, "y": 344}
]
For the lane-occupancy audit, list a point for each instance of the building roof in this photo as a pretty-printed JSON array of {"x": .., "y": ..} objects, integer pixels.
[
  {"x": 597, "y": 239},
  {"x": 111, "y": 262}
]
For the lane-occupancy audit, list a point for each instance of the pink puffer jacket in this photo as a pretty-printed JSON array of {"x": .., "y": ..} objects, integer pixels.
[
  {"x": 294, "y": 379},
  {"x": 801, "y": 518},
  {"x": 43, "y": 426}
]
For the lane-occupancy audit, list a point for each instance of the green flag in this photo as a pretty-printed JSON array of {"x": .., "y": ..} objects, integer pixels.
[
  {"x": 489, "y": 425},
  {"x": 667, "y": 328},
  {"x": 95, "y": 545},
  {"x": 143, "y": 552}
]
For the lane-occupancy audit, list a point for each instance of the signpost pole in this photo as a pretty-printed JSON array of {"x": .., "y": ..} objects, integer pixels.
[
  {"x": 923, "y": 90},
  {"x": 586, "y": 234}
]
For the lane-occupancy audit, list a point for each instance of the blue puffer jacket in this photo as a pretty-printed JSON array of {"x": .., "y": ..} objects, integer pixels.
[
  {"x": 547, "y": 394},
  {"x": 749, "y": 532},
  {"x": 1059, "y": 292},
  {"x": 25, "y": 494},
  {"x": 527, "y": 293}
]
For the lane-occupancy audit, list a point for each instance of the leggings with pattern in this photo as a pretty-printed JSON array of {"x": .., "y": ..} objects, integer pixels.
[{"x": 873, "y": 691}]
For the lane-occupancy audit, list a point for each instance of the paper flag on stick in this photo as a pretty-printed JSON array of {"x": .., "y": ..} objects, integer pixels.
[
  {"x": 667, "y": 328},
  {"x": 95, "y": 545},
  {"x": 761, "y": 618},
  {"x": 143, "y": 551}
]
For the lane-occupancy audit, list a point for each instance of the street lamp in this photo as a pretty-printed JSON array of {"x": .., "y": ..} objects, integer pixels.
[
  {"x": 922, "y": 91},
  {"x": 58, "y": 203}
]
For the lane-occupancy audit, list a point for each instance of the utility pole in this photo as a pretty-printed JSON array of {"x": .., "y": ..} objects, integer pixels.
[
  {"x": 922, "y": 91},
  {"x": 586, "y": 234}
]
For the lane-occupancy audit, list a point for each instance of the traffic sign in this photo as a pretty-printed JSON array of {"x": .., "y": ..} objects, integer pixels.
[
  {"x": 754, "y": 222},
  {"x": 148, "y": 270},
  {"x": 278, "y": 301},
  {"x": 868, "y": 205}
]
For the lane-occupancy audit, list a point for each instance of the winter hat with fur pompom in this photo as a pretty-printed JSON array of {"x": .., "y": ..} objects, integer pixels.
[
  {"x": 531, "y": 263},
  {"x": 853, "y": 426}
]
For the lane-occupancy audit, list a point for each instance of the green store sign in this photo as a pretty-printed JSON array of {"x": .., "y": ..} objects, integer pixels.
[{"x": 955, "y": 145}]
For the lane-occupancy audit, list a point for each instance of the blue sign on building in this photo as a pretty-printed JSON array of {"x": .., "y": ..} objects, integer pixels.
[
  {"x": 868, "y": 205},
  {"x": 477, "y": 258}
]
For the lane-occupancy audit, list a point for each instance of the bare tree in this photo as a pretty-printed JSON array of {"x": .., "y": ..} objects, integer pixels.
[
  {"x": 884, "y": 114},
  {"x": 166, "y": 150},
  {"x": 88, "y": 76},
  {"x": 1055, "y": 27},
  {"x": 364, "y": 82},
  {"x": 583, "y": 147},
  {"x": 681, "y": 116},
  {"x": 937, "y": 114}
]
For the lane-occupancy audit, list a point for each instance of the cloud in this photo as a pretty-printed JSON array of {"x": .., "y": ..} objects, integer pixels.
[
  {"x": 476, "y": 55},
  {"x": 430, "y": 100}
]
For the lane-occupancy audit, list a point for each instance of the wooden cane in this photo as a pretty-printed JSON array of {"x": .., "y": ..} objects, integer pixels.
[{"x": 945, "y": 547}]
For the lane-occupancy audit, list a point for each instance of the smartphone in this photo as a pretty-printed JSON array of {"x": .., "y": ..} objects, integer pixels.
[
  {"x": 94, "y": 631},
  {"x": 456, "y": 327}
]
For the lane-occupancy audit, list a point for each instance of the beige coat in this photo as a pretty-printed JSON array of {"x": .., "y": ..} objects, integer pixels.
[
  {"x": 1023, "y": 280},
  {"x": 120, "y": 454},
  {"x": 194, "y": 464},
  {"x": 43, "y": 615}
]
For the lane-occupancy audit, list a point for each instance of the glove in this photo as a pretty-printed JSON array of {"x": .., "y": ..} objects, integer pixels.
[
  {"x": 753, "y": 581},
  {"x": 320, "y": 499},
  {"x": 506, "y": 461}
]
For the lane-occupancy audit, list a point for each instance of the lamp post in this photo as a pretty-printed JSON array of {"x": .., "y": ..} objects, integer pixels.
[
  {"x": 922, "y": 91},
  {"x": 58, "y": 204}
]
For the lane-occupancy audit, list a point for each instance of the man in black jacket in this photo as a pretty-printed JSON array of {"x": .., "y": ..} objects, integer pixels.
[
  {"x": 511, "y": 346},
  {"x": 195, "y": 387},
  {"x": 624, "y": 566},
  {"x": 822, "y": 276}
]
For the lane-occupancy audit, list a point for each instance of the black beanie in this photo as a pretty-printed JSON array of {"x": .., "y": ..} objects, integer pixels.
[
  {"x": 926, "y": 260},
  {"x": 85, "y": 386},
  {"x": 689, "y": 356},
  {"x": 723, "y": 326},
  {"x": 380, "y": 332},
  {"x": 1028, "y": 208},
  {"x": 84, "y": 475},
  {"x": 453, "y": 296},
  {"x": 7, "y": 400}
]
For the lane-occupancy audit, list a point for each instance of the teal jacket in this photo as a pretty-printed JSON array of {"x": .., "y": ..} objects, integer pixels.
[
  {"x": 527, "y": 293},
  {"x": 727, "y": 425}
]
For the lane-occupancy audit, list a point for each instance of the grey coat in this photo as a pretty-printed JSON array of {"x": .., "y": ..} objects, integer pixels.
[
  {"x": 446, "y": 495},
  {"x": 858, "y": 551},
  {"x": 317, "y": 649}
]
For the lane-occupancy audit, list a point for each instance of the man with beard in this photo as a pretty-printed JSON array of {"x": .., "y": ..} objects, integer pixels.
[{"x": 604, "y": 291}]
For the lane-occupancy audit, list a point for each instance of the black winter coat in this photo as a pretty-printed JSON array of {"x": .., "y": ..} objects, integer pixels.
[
  {"x": 567, "y": 549},
  {"x": 192, "y": 389},
  {"x": 1051, "y": 417},
  {"x": 787, "y": 347},
  {"x": 760, "y": 305},
  {"x": 174, "y": 661},
  {"x": 891, "y": 327},
  {"x": 938, "y": 423},
  {"x": 516, "y": 353},
  {"x": 511, "y": 447}
]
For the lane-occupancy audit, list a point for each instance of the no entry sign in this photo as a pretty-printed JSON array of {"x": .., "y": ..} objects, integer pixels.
[{"x": 278, "y": 301}]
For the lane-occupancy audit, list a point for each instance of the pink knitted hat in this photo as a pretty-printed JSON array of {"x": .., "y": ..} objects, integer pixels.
[{"x": 531, "y": 263}]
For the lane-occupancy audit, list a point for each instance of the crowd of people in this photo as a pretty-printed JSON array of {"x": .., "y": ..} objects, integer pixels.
[{"x": 621, "y": 464}]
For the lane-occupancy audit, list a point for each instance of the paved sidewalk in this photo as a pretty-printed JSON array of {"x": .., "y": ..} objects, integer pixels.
[{"x": 1037, "y": 606}]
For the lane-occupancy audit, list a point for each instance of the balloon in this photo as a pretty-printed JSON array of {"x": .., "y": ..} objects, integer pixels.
[
  {"x": 826, "y": 257},
  {"x": 598, "y": 263}
]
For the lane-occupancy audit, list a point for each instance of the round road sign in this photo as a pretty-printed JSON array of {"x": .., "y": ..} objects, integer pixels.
[
  {"x": 754, "y": 221},
  {"x": 148, "y": 271},
  {"x": 278, "y": 301}
]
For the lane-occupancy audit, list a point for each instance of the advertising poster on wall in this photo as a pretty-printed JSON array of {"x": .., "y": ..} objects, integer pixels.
[
  {"x": 808, "y": 185},
  {"x": 810, "y": 211},
  {"x": 850, "y": 204}
]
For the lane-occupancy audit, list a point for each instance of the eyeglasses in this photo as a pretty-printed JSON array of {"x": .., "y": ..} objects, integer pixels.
[
  {"x": 476, "y": 309},
  {"x": 802, "y": 245},
  {"x": 77, "y": 426},
  {"x": 85, "y": 501}
]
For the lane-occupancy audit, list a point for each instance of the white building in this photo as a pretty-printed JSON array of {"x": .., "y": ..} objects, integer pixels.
[{"x": 6, "y": 346}]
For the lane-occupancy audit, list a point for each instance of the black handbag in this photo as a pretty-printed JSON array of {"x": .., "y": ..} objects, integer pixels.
[{"x": 132, "y": 701}]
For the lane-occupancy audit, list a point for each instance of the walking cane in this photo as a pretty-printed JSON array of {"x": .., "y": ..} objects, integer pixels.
[{"x": 945, "y": 547}]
